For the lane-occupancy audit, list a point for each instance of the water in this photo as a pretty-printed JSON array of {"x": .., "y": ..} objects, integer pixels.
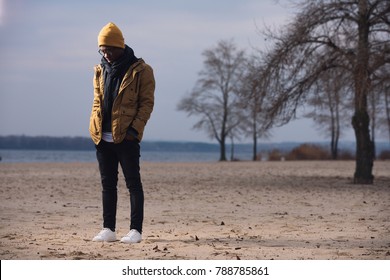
[
  {"x": 89, "y": 156},
  {"x": 46, "y": 156}
]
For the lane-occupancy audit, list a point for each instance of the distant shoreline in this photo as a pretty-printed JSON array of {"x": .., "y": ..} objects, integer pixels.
[{"x": 85, "y": 144}]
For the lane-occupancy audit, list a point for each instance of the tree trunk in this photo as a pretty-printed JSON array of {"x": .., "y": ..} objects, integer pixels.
[
  {"x": 373, "y": 122},
  {"x": 254, "y": 157},
  {"x": 232, "y": 150},
  {"x": 333, "y": 143},
  {"x": 337, "y": 136},
  {"x": 222, "y": 148},
  {"x": 334, "y": 147},
  {"x": 360, "y": 120},
  {"x": 364, "y": 157}
]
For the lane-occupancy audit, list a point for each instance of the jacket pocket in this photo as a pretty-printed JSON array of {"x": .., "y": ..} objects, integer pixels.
[
  {"x": 94, "y": 122},
  {"x": 127, "y": 117}
]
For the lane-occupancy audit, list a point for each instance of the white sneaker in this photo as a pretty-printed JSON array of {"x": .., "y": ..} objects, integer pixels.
[
  {"x": 132, "y": 237},
  {"x": 106, "y": 235}
]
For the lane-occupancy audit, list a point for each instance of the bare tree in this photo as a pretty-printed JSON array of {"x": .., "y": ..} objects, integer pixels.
[
  {"x": 326, "y": 35},
  {"x": 214, "y": 96},
  {"x": 331, "y": 105},
  {"x": 253, "y": 101},
  {"x": 380, "y": 103}
]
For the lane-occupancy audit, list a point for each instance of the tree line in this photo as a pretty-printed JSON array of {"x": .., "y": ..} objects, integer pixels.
[
  {"x": 18, "y": 142},
  {"x": 333, "y": 57}
]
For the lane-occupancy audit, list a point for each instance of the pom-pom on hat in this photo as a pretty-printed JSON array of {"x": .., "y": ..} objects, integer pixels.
[{"x": 111, "y": 36}]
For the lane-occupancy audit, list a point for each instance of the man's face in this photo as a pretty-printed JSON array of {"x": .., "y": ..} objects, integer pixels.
[{"x": 110, "y": 53}]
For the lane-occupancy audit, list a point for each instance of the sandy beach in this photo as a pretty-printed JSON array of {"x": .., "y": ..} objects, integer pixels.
[{"x": 199, "y": 211}]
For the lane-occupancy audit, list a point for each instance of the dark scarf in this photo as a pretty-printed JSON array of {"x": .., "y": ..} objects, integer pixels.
[{"x": 113, "y": 74}]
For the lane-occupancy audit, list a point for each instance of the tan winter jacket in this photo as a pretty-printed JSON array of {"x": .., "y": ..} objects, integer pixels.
[{"x": 132, "y": 107}]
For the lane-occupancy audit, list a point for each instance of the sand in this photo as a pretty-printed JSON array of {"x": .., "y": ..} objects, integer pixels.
[{"x": 199, "y": 211}]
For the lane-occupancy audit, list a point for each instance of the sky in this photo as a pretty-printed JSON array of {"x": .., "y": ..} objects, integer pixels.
[{"x": 48, "y": 50}]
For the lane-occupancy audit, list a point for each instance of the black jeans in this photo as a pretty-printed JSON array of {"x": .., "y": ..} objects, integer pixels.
[{"x": 127, "y": 154}]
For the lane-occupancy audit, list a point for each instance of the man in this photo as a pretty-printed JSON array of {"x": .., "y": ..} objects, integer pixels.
[{"x": 122, "y": 104}]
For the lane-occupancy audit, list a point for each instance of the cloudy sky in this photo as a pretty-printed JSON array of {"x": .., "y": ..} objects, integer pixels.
[{"x": 48, "y": 50}]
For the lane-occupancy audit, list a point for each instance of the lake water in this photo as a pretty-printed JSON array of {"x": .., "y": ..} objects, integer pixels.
[{"x": 89, "y": 156}]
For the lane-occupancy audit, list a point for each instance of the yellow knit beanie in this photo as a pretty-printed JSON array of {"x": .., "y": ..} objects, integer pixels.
[{"x": 111, "y": 36}]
